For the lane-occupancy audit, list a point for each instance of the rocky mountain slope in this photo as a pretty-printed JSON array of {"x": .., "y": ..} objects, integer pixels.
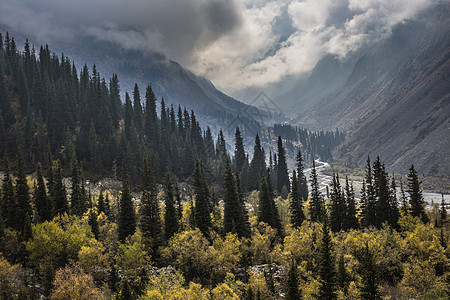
[{"x": 396, "y": 101}]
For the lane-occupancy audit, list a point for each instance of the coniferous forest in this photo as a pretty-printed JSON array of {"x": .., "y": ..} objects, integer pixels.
[{"x": 193, "y": 218}]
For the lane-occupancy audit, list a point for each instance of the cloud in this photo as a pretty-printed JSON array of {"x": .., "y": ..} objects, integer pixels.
[{"x": 237, "y": 44}]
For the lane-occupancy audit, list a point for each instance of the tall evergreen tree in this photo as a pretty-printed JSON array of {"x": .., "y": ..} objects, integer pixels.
[
  {"x": 302, "y": 181},
  {"x": 327, "y": 273},
  {"x": 257, "y": 165},
  {"x": 138, "y": 115},
  {"x": 151, "y": 118},
  {"x": 338, "y": 207},
  {"x": 127, "y": 218},
  {"x": 393, "y": 204},
  {"x": 369, "y": 211},
  {"x": 202, "y": 208},
  {"x": 23, "y": 201},
  {"x": 268, "y": 211},
  {"x": 405, "y": 206},
  {"x": 296, "y": 203},
  {"x": 415, "y": 196},
  {"x": 368, "y": 270},
  {"x": 59, "y": 192},
  {"x": 235, "y": 215},
  {"x": 239, "y": 152},
  {"x": 293, "y": 292},
  {"x": 351, "y": 221},
  {"x": 282, "y": 171},
  {"x": 150, "y": 222},
  {"x": 317, "y": 207},
  {"x": 8, "y": 198},
  {"x": 41, "y": 199},
  {"x": 382, "y": 194},
  {"x": 170, "y": 213},
  {"x": 77, "y": 199}
]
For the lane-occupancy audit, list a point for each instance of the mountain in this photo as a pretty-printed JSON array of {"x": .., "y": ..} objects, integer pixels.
[
  {"x": 170, "y": 80},
  {"x": 395, "y": 101}
]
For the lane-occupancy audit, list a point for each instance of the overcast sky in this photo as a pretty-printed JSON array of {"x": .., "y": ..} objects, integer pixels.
[{"x": 235, "y": 43}]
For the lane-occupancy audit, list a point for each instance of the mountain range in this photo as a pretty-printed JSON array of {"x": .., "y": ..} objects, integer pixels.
[{"x": 392, "y": 100}]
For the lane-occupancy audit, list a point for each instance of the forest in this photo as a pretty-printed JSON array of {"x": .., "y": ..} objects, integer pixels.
[{"x": 193, "y": 218}]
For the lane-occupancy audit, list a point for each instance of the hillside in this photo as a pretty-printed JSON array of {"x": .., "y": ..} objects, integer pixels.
[{"x": 395, "y": 102}]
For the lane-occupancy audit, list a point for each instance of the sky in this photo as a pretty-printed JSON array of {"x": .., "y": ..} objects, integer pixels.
[{"x": 237, "y": 44}]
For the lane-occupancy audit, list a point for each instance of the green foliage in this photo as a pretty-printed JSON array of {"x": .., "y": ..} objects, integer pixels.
[
  {"x": 127, "y": 218},
  {"x": 293, "y": 292}
]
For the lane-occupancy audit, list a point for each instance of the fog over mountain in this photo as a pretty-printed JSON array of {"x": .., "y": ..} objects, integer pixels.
[{"x": 237, "y": 44}]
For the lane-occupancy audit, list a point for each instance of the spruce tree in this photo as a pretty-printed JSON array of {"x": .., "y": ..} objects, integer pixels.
[
  {"x": 443, "y": 211},
  {"x": 268, "y": 211},
  {"x": 405, "y": 206},
  {"x": 235, "y": 215},
  {"x": 101, "y": 206},
  {"x": 202, "y": 208},
  {"x": 59, "y": 192},
  {"x": 23, "y": 201},
  {"x": 415, "y": 196},
  {"x": 77, "y": 199},
  {"x": 370, "y": 209},
  {"x": 327, "y": 290},
  {"x": 138, "y": 115},
  {"x": 151, "y": 118},
  {"x": 8, "y": 198},
  {"x": 150, "y": 219},
  {"x": 41, "y": 199},
  {"x": 170, "y": 213},
  {"x": 369, "y": 275},
  {"x": 302, "y": 182},
  {"x": 94, "y": 223},
  {"x": 393, "y": 204},
  {"x": 257, "y": 165},
  {"x": 351, "y": 221},
  {"x": 282, "y": 171},
  {"x": 293, "y": 292},
  {"x": 127, "y": 218},
  {"x": 296, "y": 203},
  {"x": 382, "y": 193},
  {"x": 338, "y": 207},
  {"x": 239, "y": 152},
  {"x": 317, "y": 206}
]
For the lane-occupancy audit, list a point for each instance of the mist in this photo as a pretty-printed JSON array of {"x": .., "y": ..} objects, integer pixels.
[{"x": 237, "y": 44}]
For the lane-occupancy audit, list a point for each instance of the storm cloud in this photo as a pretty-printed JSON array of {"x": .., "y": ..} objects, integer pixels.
[{"x": 237, "y": 44}]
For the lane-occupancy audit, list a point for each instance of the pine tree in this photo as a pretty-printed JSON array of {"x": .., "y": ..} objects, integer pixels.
[
  {"x": 235, "y": 215},
  {"x": 138, "y": 115},
  {"x": 268, "y": 211},
  {"x": 78, "y": 205},
  {"x": 151, "y": 118},
  {"x": 317, "y": 207},
  {"x": 296, "y": 203},
  {"x": 41, "y": 199},
  {"x": 282, "y": 171},
  {"x": 342, "y": 276},
  {"x": 393, "y": 204},
  {"x": 443, "y": 211},
  {"x": 59, "y": 192},
  {"x": 127, "y": 219},
  {"x": 8, "y": 198},
  {"x": 170, "y": 214},
  {"x": 257, "y": 165},
  {"x": 23, "y": 210},
  {"x": 239, "y": 152},
  {"x": 101, "y": 206},
  {"x": 202, "y": 208},
  {"x": 369, "y": 275},
  {"x": 94, "y": 223},
  {"x": 382, "y": 193},
  {"x": 303, "y": 184},
  {"x": 327, "y": 290},
  {"x": 338, "y": 207},
  {"x": 150, "y": 221},
  {"x": 405, "y": 207},
  {"x": 415, "y": 196},
  {"x": 293, "y": 292},
  {"x": 351, "y": 221},
  {"x": 369, "y": 211}
]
